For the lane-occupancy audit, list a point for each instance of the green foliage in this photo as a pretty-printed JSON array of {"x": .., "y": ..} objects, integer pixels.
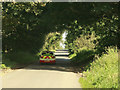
[
  {"x": 103, "y": 72},
  {"x": 3, "y": 66},
  {"x": 52, "y": 41},
  {"x": 83, "y": 57},
  {"x": 72, "y": 56},
  {"x": 24, "y": 25},
  {"x": 21, "y": 57},
  {"x": 7, "y": 64},
  {"x": 97, "y": 36},
  {"x": 20, "y": 27},
  {"x": 84, "y": 42},
  {"x": 91, "y": 27}
]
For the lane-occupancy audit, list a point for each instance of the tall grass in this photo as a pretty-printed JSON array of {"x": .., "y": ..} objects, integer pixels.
[{"x": 103, "y": 72}]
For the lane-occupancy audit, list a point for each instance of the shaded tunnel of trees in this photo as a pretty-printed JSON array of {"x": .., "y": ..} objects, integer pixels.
[
  {"x": 92, "y": 30},
  {"x": 25, "y": 26}
]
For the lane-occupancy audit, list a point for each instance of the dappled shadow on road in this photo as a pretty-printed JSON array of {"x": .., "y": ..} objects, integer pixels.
[
  {"x": 61, "y": 50},
  {"x": 59, "y": 66},
  {"x": 62, "y": 55},
  {"x": 62, "y": 63},
  {"x": 51, "y": 67}
]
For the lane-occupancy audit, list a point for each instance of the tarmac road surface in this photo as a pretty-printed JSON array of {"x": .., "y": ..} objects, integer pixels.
[{"x": 44, "y": 76}]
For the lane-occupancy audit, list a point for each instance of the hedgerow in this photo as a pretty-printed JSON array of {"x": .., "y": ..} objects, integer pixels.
[{"x": 103, "y": 72}]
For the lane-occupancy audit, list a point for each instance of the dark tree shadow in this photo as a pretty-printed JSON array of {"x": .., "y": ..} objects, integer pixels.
[
  {"x": 61, "y": 65},
  {"x": 81, "y": 62}
]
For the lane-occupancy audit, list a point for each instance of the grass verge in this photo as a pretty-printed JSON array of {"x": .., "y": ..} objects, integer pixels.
[{"x": 103, "y": 72}]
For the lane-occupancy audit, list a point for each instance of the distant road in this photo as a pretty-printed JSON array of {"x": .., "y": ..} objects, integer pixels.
[{"x": 44, "y": 76}]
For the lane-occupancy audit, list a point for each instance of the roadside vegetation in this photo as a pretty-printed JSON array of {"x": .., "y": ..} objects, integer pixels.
[
  {"x": 30, "y": 28},
  {"x": 20, "y": 59},
  {"x": 103, "y": 71},
  {"x": 52, "y": 42},
  {"x": 95, "y": 53},
  {"x": 92, "y": 49},
  {"x": 17, "y": 60}
]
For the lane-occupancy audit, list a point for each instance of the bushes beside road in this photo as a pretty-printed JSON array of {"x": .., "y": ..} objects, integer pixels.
[
  {"x": 82, "y": 57},
  {"x": 103, "y": 71},
  {"x": 7, "y": 64},
  {"x": 18, "y": 59},
  {"x": 22, "y": 57},
  {"x": 89, "y": 40}
]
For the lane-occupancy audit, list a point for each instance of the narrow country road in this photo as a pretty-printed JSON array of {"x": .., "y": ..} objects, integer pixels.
[{"x": 44, "y": 76}]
